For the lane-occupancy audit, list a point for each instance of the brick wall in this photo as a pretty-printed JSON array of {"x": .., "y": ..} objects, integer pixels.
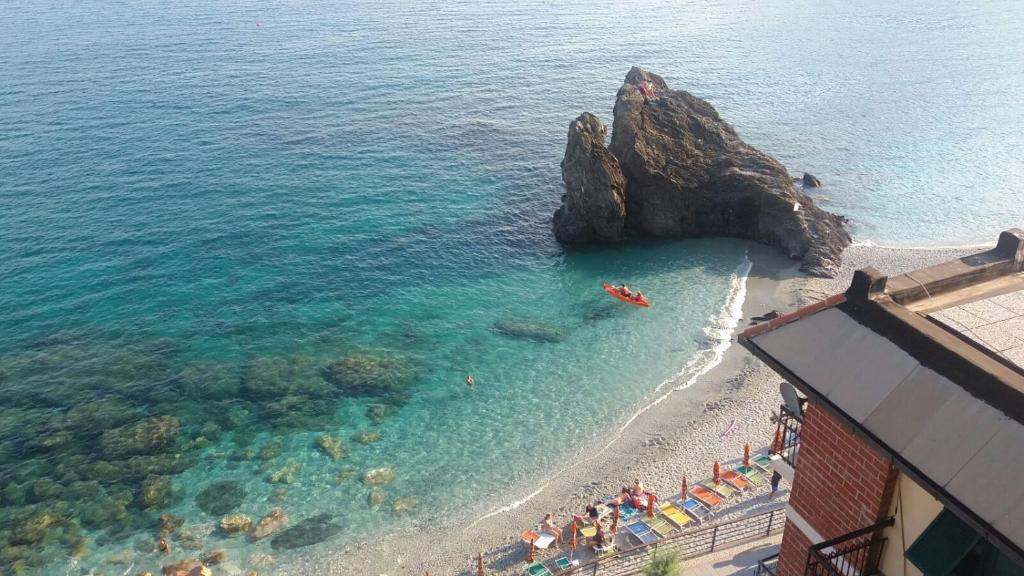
[{"x": 841, "y": 485}]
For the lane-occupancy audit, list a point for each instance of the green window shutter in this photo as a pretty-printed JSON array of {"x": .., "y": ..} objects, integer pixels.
[{"x": 942, "y": 545}]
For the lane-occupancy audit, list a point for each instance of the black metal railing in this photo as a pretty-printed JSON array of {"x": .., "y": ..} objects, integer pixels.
[
  {"x": 688, "y": 544},
  {"x": 855, "y": 554},
  {"x": 768, "y": 566},
  {"x": 788, "y": 435}
]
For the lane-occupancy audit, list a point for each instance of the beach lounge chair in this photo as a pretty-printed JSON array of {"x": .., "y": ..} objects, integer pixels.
[
  {"x": 660, "y": 526},
  {"x": 736, "y": 480},
  {"x": 541, "y": 540},
  {"x": 674, "y": 514},
  {"x": 563, "y": 563},
  {"x": 706, "y": 497},
  {"x": 696, "y": 509},
  {"x": 588, "y": 531},
  {"x": 723, "y": 489},
  {"x": 642, "y": 532},
  {"x": 538, "y": 569},
  {"x": 753, "y": 475},
  {"x": 763, "y": 462},
  {"x": 626, "y": 512}
]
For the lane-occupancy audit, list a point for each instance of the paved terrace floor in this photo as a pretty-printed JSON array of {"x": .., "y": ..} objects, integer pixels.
[{"x": 739, "y": 561}]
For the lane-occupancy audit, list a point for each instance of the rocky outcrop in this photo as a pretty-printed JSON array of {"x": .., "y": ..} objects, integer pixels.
[
  {"x": 593, "y": 207},
  {"x": 687, "y": 173},
  {"x": 273, "y": 522},
  {"x": 810, "y": 181}
]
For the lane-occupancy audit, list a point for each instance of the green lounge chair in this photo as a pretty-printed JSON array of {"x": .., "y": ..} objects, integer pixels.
[
  {"x": 660, "y": 526},
  {"x": 538, "y": 569},
  {"x": 563, "y": 563},
  {"x": 753, "y": 474},
  {"x": 723, "y": 489},
  {"x": 763, "y": 462}
]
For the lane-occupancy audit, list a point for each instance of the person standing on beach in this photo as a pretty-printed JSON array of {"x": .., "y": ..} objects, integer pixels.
[{"x": 776, "y": 478}]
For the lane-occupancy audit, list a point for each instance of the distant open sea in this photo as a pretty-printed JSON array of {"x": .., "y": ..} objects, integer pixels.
[{"x": 250, "y": 251}]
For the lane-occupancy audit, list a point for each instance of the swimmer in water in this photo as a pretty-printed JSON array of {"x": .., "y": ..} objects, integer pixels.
[{"x": 470, "y": 381}]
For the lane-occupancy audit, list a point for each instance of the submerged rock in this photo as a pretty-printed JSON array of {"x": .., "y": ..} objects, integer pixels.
[
  {"x": 688, "y": 173},
  {"x": 214, "y": 557},
  {"x": 364, "y": 437},
  {"x": 378, "y": 413},
  {"x": 333, "y": 447},
  {"x": 360, "y": 374},
  {"x": 285, "y": 475},
  {"x": 169, "y": 524},
  {"x": 593, "y": 208},
  {"x": 235, "y": 524},
  {"x": 528, "y": 329},
  {"x": 271, "y": 449},
  {"x": 306, "y": 533},
  {"x": 221, "y": 497},
  {"x": 155, "y": 491},
  {"x": 183, "y": 568},
  {"x": 210, "y": 381},
  {"x": 142, "y": 438},
  {"x": 403, "y": 505},
  {"x": 276, "y": 377},
  {"x": 273, "y": 522},
  {"x": 376, "y": 497},
  {"x": 378, "y": 476}
]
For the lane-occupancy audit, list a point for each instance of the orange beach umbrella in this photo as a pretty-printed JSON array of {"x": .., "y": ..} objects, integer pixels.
[
  {"x": 572, "y": 539},
  {"x": 529, "y": 553},
  {"x": 746, "y": 455},
  {"x": 683, "y": 490},
  {"x": 480, "y": 564},
  {"x": 777, "y": 442},
  {"x": 650, "y": 504},
  {"x": 716, "y": 473},
  {"x": 615, "y": 518}
]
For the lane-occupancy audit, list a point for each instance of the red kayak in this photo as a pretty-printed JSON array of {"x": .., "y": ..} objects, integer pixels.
[{"x": 636, "y": 298}]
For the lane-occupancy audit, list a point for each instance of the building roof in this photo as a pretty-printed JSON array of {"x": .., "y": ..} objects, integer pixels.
[{"x": 926, "y": 366}]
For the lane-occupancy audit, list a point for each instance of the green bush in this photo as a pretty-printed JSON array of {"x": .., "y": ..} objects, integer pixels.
[{"x": 664, "y": 564}]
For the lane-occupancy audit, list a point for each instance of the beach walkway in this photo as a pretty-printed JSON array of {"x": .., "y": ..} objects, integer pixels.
[{"x": 738, "y": 561}]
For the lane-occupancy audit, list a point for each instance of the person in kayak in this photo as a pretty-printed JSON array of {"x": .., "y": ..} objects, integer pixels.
[{"x": 625, "y": 291}]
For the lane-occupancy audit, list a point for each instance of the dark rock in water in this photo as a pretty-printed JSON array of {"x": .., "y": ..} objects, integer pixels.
[
  {"x": 276, "y": 377},
  {"x": 138, "y": 467},
  {"x": 687, "y": 173},
  {"x": 221, "y": 497},
  {"x": 601, "y": 312},
  {"x": 306, "y": 533},
  {"x": 209, "y": 381},
  {"x": 810, "y": 181},
  {"x": 361, "y": 374},
  {"x": 534, "y": 330},
  {"x": 146, "y": 437},
  {"x": 378, "y": 413},
  {"x": 155, "y": 491},
  {"x": 593, "y": 207}
]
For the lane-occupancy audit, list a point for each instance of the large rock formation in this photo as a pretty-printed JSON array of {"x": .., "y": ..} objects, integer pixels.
[
  {"x": 687, "y": 173},
  {"x": 593, "y": 208}
]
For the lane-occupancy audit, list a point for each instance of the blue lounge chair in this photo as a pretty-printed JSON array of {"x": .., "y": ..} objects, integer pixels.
[{"x": 642, "y": 532}]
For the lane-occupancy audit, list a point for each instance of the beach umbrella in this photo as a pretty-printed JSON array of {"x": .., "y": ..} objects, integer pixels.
[
  {"x": 615, "y": 518},
  {"x": 746, "y": 455},
  {"x": 650, "y": 504},
  {"x": 716, "y": 473},
  {"x": 479, "y": 565},
  {"x": 529, "y": 553},
  {"x": 572, "y": 539},
  {"x": 777, "y": 442},
  {"x": 683, "y": 490}
]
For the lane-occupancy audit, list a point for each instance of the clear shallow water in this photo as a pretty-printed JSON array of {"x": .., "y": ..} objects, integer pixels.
[{"x": 236, "y": 185}]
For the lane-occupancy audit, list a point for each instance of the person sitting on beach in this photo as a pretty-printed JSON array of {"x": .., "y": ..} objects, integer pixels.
[
  {"x": 548, "y": 525},
  {"x": 593, "y": 513},
  {"x": 638, "y": 488},
  {"x": 598, "y": 536}
]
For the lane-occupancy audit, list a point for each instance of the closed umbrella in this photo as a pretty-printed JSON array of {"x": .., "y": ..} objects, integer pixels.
[
  {"x": 777, "y": 442},
  {"x": 529, "y": 554},
  {"x": 746, "y": 455},
  {"x": 650, "y": 504},
  {"x": 615, "y": 518},
  {"x": 572, "y": 539},
  {"x": 716, "y": 473},
  {"x": 480, "y": 564},
  {"x": 683, "y": 490}
]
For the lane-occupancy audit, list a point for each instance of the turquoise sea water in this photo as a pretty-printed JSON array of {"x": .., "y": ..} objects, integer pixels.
[{"x": 204, "y": 205}]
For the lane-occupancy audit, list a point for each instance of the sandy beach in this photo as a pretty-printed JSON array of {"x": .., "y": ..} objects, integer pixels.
[{"x": 680, "y": 433}]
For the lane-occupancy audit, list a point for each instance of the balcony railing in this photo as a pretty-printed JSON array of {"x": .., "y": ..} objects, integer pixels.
[
  {"x": 855, "y": 554},
  {"x": 768, "y": 566},
  {"x": 788, "y": 433}
]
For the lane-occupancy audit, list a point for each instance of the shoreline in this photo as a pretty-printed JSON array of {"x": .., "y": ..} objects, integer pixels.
[{"x": 672, "y": 435}]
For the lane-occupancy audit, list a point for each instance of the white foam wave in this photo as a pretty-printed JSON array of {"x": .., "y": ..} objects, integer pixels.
[{"x": 719, "y": 334}]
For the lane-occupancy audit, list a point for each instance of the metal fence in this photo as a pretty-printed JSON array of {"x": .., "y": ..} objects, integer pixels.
[
  {"x": 855, "y": 554},
  {"x": 789, "y": 434},
  {"x": 689, "y": 544}
]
